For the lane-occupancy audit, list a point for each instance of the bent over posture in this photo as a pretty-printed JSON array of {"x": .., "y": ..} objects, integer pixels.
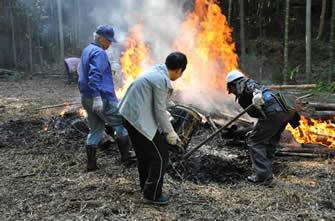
[
  {"x": 144, "y": 110},
  {"x": 272, "y": 115}
]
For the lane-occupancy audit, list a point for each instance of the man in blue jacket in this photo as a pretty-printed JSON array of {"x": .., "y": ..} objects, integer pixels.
[{"x": 98, "y": 96}]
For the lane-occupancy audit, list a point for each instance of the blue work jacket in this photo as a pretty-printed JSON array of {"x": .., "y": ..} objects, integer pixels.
[{"x": 95, "y": 77}]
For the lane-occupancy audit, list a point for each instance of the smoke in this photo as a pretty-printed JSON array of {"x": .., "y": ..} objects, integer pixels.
[
  {"x": 161, "y": 22},
  {"x": 160, "y": 19}
]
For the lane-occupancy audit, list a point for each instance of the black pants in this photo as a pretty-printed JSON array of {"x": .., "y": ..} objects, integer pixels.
[
  {"x": 153, "y": 158},
  {"x": 262, "y": 143}
]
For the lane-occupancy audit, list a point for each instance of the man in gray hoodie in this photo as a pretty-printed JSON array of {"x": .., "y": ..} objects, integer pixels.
[{"x": 144, "y": 109}]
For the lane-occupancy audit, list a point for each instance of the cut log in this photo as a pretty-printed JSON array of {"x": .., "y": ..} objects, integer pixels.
[
  {"x": 322, "y": 106},
  {"x": 298, "y": 86},
  {"x": 324, "y": 115}
]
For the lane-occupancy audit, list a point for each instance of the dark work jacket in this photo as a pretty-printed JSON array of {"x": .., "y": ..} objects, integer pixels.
[{"x": 246, "y": 87}]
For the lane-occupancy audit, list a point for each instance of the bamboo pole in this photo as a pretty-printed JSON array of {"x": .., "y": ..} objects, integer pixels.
[
  {"x": 321, "y": 106},
  {"x": 298, "y": 86},
  {"x": 57, "y": 105},
  {"x": 12, "y": 24},
  {"x": 308, "y": 40},
  {"x": 30, "y": 42},
  {"x": 60, "y": 27}
]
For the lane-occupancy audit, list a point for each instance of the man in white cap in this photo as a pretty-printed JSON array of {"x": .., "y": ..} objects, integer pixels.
[{"x": 273, "y": 115}]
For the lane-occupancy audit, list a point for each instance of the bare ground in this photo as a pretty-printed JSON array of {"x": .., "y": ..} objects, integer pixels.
[{"x": 43, "y": 173}]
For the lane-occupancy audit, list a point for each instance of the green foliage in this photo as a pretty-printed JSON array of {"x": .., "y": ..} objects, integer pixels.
[
  {"x": 325, "y": 87},
  {"x": 291, "y": 75}
]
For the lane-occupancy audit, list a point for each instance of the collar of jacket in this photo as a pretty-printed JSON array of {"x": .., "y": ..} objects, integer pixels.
[
  {"x": 96, "y": 44},
  {"x": 163, "y": 69}
]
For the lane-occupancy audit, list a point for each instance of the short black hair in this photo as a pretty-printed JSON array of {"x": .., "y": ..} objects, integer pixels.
[{"x": 176, "y": 60}]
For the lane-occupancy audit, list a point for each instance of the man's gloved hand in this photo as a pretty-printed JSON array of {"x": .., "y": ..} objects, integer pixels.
[
  {"x": 170, "y": 116},
  {"x": 257, "y": 99},
  {"x": 172, "y": 137},
  {"x": 97, "y": 104}
]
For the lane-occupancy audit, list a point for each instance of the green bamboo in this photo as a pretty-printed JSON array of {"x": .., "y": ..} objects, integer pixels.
[
  {"x": 332, "y": 45},
  {"x": 285, "y": 68}
]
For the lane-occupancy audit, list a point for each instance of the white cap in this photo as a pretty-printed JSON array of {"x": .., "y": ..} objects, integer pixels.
[{"x": 233, "y": 75}]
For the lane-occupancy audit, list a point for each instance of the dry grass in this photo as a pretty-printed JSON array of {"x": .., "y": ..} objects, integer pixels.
[{"x": 43, "y": 174}]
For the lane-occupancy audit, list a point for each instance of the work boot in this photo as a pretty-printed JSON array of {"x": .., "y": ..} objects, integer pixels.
[
  {"x": 269, "y": 182},
  {"x": 127, "y": 157},
  {"x": 161, "y": 200},
  {"x": 91, "y": 157}
]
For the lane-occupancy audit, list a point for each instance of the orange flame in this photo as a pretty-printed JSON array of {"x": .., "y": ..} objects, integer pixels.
[
  {"x": 135, "y": 58},
  {"x": 314, "y": 131},
  {"x": 82, "y": 112},
  {"x": 66, "y": 108},
  {"x": 206, "y": 40}
]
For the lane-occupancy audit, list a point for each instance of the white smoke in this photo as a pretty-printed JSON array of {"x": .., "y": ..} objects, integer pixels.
[{"x": 160, "y": 19}]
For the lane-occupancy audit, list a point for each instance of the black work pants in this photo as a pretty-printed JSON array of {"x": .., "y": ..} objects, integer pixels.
[
  {"x": 153, "y": 158},
  {"x": 262, "y": 142}
]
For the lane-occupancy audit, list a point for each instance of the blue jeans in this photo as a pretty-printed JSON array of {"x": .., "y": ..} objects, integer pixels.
[{"x": 96, "y": 121}]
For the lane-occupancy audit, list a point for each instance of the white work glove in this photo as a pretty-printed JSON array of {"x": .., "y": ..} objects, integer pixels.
[
  {"x": 257, "y": 99},
  {"x": 97, "y": 104},
  {"x": 169, "y": 116},
  {"x": 172, "y": 137}
]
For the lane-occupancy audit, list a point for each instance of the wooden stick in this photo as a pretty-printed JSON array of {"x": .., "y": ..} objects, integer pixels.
[
  {"x": 298, "y": 86},
  {"x": 241, "y": 119},
  {"x": 281, "y": 153},
  {"x": 57, "y": 105},
  {"x": 188, "y": 154}
]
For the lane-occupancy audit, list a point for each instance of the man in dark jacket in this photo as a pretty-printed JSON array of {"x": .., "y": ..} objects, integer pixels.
[
  {"x": 273, "y": 116},
  {"x": 98, "y": 96}
]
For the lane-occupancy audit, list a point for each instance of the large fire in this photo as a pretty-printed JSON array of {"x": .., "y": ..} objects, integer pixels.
[
  {"x": 206, "y": 40},
  {"x": 314, "y": 131},
  {"x": 205, "y": 37}
]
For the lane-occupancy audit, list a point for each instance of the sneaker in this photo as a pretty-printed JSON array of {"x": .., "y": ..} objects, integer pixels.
[{"x": 162, "y": 200}]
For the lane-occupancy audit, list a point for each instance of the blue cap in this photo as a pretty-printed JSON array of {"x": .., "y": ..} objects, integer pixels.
[{"x": 106, "y": 31}]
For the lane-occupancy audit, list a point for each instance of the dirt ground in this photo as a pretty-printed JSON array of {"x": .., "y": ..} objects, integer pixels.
[{"x": 42, "y": 170}]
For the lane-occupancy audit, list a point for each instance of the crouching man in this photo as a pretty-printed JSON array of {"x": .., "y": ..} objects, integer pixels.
[
  {"x": 273, "y": 116},
  {"x": 144, "y": 109}
]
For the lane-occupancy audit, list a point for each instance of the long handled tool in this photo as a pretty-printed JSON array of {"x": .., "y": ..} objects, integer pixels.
[{"x": 188, "y": 154}]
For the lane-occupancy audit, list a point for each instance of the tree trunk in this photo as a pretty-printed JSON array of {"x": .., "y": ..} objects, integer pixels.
[
  {"x": 308, "y": 40},
  {"x": 12, "y": 24},
  {"x": 332, "y": 45},
  {"x": 60, "y": 27},
  {"x": 30, "y": 43},
  {"x": 285, "y": 68},
  {"x": 322, "y": 19},
  {"x": 229, "y": 11},
  {"x": 242, "y": 34}
]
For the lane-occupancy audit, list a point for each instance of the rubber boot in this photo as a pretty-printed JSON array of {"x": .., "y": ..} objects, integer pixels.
[
  {"x": 91, "y": 157},
  {"x": 128, "y": 157}
]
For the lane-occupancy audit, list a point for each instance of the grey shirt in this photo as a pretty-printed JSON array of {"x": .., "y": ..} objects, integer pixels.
[{"x": 145, "y": 102}]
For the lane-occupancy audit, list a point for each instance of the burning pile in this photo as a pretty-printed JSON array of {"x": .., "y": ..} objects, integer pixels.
[{"x": 314, "y": 131}]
